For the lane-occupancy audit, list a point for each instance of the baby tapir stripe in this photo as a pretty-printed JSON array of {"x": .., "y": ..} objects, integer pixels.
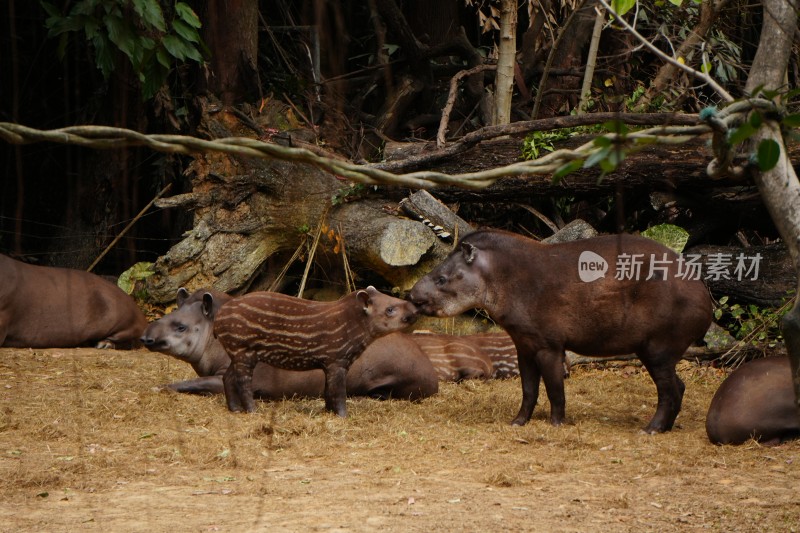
[
  {"x": 501, "y": 350},
  {"x": 454, "y": 357},
  {"x": 296, "y": 334}
]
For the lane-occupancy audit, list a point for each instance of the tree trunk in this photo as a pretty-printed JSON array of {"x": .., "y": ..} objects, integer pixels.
[
  {"x": 231, "y": 33},
  {"x": 779, "y": 186},
  {"x": 251, "y": 213},
  {"x": 558, "y": 90},
  {"x": 591, "y": 61},
  {"x": 506, "y": 60}
]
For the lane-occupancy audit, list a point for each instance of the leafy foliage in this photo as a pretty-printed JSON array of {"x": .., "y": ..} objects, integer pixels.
[
  {"x": 138, "y": 29},
  {"x": 138, "y": 272},
  {"x": 346, "y": 194},
  {"x": 751, "y": 325},
  {"x": 537, "y": 141},
  {"x": 672, "y": 236}
]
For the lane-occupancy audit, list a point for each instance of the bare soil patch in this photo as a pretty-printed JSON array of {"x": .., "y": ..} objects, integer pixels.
[{"x": 87, "y": 444}]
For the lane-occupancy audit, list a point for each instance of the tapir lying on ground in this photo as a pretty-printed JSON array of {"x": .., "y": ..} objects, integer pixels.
[
  {"x": 556, "y": 297},
  {"x": 755, "y": 402},
  {"x": 390, "y": 367},
  {"x": 47, "y": 307}
]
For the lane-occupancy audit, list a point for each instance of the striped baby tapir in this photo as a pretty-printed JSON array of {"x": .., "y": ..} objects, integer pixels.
[
  {"x": 296, "y": 334},
  {"x": 454, "y": 357}
]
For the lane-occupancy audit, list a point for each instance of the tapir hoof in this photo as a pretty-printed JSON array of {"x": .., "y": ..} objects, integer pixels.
[{"x": 240, "y": 409}]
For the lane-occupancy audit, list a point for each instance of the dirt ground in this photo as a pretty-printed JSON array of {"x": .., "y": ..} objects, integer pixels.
[{"x": 86, "y": 444}]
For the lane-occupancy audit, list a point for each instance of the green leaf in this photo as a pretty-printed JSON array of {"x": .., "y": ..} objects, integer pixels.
[
  {"x": 676, "y": 3},
  {"x": 150, "y": 13},
  {"x": 127, "y": 280},
  {"x": 59, "y": 25},
  {"x": 607, "y": 165},
  {"x": 791, "y": 94},
  {"x": 103, "y": 55},
  {"x": 791, "y": 121},
  {"x": 755, "y": 120},
  {"x": 616, "y": 126},
  {"x": 769, "y": 152},
  {"x": 181, "y": 50},
  {"x": 616, "y": 156},
  {"x": 52, "y": 11},
  {"x": 672, "y": 236},
  {"x": 187, "y": 15},
  {"x": 163, "y": 58},
  {"x": 741, "y": 134},
  {"x": 184, "y": 30},
  {"x": 119, "y": 32},
  {"x": 602, "y": 141},
  {"x": 566, "y": 169},
  {"x": 175, "y": 47},
  {"x": 622, "y": 6},
  {"x": 596, "y": 157},
  {"x": 643, "y": 141},
  {"x": 769, "y": 94}
]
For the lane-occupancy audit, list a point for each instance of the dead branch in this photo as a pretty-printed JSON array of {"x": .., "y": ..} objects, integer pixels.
[{"x": 451, "y": 99}]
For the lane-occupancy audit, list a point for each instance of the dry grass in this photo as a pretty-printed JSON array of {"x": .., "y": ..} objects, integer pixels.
[{"x": 85, "y": 443}]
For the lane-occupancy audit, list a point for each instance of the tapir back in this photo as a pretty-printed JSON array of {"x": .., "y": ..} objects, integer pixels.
[
  {"x": 44, "y": 307},
  {"x": 283, "y": 327}
]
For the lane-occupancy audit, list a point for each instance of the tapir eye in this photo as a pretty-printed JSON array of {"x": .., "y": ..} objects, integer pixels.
[
  {"x": 181, "y": 328},
  {"x": 441, "y": 280},
  {"x": 390, "y": 311}
]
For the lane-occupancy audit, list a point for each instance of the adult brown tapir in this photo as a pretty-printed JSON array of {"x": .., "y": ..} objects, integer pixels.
[
  {"x": 609, "y": 295},
  {"x": 48, "y": 307}
]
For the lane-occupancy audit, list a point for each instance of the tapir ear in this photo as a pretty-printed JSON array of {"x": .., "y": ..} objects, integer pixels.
[
  {"x": 209, "y": 307},
  {"x": 468, "y": 250},
  {"x": 183, "y": 295},
  {"x": 365, "y": 299}
]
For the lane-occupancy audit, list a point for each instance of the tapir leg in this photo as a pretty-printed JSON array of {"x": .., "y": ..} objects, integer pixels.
[
  {"x": 238, "y": 385},
  {"x": 670, "y": 390},
  {"x": 208, "y": 386},
  {"x": 529, "y": 374},
  {"x": 551, "y": 366},
  {"x": 336, "y": 390}
]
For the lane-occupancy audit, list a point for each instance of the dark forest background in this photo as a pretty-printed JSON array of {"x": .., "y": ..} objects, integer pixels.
[{"x": 341, "y": 71}]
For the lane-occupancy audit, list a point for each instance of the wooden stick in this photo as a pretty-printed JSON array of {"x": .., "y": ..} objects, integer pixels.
[{"x": 129, "y": 226}]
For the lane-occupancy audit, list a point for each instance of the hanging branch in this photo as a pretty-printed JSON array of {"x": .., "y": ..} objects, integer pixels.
[{"x": 103, "y": 137}]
